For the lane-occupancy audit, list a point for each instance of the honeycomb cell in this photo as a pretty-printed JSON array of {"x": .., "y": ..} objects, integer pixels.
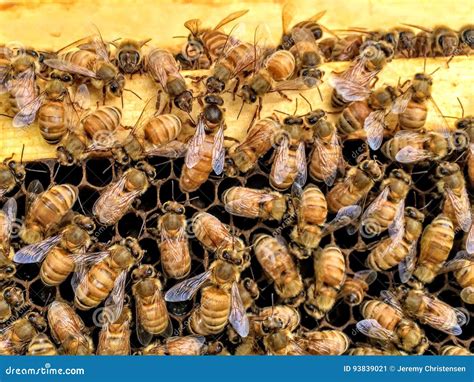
[{"x": 99, "y": 172}]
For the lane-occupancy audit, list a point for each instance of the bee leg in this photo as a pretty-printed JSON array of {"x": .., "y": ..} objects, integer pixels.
[
  {"x": 284, "y": 96},
  {"x": 236, "y": 88},
  {"x": 104, "y": 93}
]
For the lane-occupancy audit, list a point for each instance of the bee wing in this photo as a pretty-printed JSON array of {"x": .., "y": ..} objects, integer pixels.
[
  {"x": 408, "y": 264},
  {"x": 439, "y": 321},
  {"x": 461, "y": 207},
  {"x": 195, "y": 145},
  {"x": 69, "y": 67},
  {"x": 372, "y": 328},
  {"x": 173, "y": 149},
  {"x": 304, "y": 36},
  {"x": 410, "y": 154},
  {"x": 193, "y": 25},
  {"x": 397, "y": 226},
  {"x": 389, "y": 298},
  {"x": 438, "y": 121},
  {"x": 242, "y": 207},
  {"x": 353, "y": 83},
  {"x": 226, "y": 20},
  {"x": 35, "y": 188},
  {"x": 166, "y": 238},
  {"x": 343, "y": 217},
  {"x": 100, "y": 47},
  {"x": 36, "y": 252},
  {"x": 10, "y": 208},
  {"x": 143, "y": 335},
  {"x": 296, "y": 84},
  {"x": 255, "y": 138},
  {"x": 218, "y": 152},
  {"x": 376, "y": 204},
  {"x": 82, "y": 263},
  {"x": 82, "y": 97},
  {"x": 302, "y": 175},
  {"x": 24, "y": 88},
  {"x": 114, "y": 304},
  {"x": 281, "y": 169},
  {"x": 27, "y": 114},
  {"x": 186, "y": 289},
  {"x": 368, "y": 276},
  {"x": 401, "y": 103},
  {"x": 461, "y": 260},
  {"x": 470, "y": 239},
  {"x": 238, "y": 317},
  {"x": 374, "y": 126},
  {"x": 329, "y": 161}
]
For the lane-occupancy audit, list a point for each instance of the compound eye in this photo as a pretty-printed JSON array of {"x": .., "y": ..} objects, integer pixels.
[{"x": 149, "y": 272}]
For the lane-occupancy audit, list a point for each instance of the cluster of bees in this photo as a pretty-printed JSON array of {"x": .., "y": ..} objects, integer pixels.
[{"x": 376, "y": 201}]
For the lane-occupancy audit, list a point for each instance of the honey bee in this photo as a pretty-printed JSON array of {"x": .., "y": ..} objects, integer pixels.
[
  {"x": 354, "y": 288},
  {"x": 257, "y": 143},
  {"x": 462, "y": 266},
  {"x": 280, "y": 268},
  {"x": 151, "y": 312},
  {"x": 324, "y": 342},
  {"x": 217, "y": 237},
  {"x": 466, "y": 124},
  {"x": 186, "y": 345},
  {"x": 7, "y": 218},
  {"x": 403, "y": 41},
  {"x": 118, "y": 197},
  {"x": 387, "y": 324},
  {"x": 387, "y": 210},
  {"x": 93, "y": 64},
  {"x": 345, "y": 48},
  {"x": 456, "y": 203},
  {"x": 454, "y": 350},
  {"x": 164, "y": 69},
  {"x": 12, "y": 298},
  {"x": 412, "y": 146},
  {"x": 311, "y": 214},
  {"x": 206, "y": 152},
  {"x": 41, "y": 345},
  {"x": 369, "y": 118},
  {"x": 392, "y": 251},
  {"x": 329, "y": 276},
  {"x": 61, "y": 253},
  {"x": 220, "y": 301},
  {"x": 428, "y": 310},
  {"x": 68, "y": 330},
  {"x": 15, "y": 338},
  {"x": 174, "y": 246},
  {"x": 443, "y": 40},
  {"x": 114, "y": 337},
  {"x": 354, "y": 83},
  {"x": 249, "y": 292},
  {"x": 46, "y": 209},
  {"x": 128, "y": 57},
  {"x": 252, "y": 203},
  {"x": 12, "y": 174},
  {"x": 356, "y": 185},
  {"x": 309, "y": 25},
  {"x": 208, "y": 42},
  {"x": 466, "y": 38},
  {"x": 326, "y": 157},
  {"x": 111, "y": 268}
]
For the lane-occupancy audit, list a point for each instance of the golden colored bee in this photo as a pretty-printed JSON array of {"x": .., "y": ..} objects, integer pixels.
[
  {"x": 15, "y": 338},
  {"x": 403, "y": 41},
  {"x": 174, "y": 246},
  {"x": 387, "y": 324},
  {"x": 462, "y": 266},
  {"x": 7, "y": 219},
  {"x": 61, "y": 253},
  {"x": 249, "y": 292},
  {"x": 324, "y": 342},
  {"x": 388, "y": 208},
  {"x": 370, "y": 118},
  {"x": 256, "y": 144},
  {"x": 356, "y": 185},
  {"x": 106, "y": 277},
  {"x": 42, "y": 345},
  {"x": 253, "y": 203},
  {"x": 454, "y": 350},
  {"x": 186, "y": 345},
  {"x": 326, "y": 157},
  {"x": 206, "y": 152},
  {"x": 392, "y": 251},
  {"x": 344, "y": 48},
  {"x": 329, "y": 276},
  {"x": 220, "y": 302},
  {"x": 47, "y": 209},
  {"x": 311, "y": 213},
  {"x": 114, "y": 337},
  {"x": 216, "y": 237},
  {"x": 92, "y": 63},
  {"x": 11, "y": 299},
  {"x": 354, "y": 288},
  {"x": 117, "y": 198},
  {"x": 128, "y": 57},
  {"x": 429, "y": 310},
  {"x": 466, "y": 124},
  {"x": 68, "y": 330},
  {"x": 280, "y": 267},
  {"x": 208, "y": 42},
  {"x": 354, "y": 83},
  {"x": 151, "y": 312},
  {"x": 164, "y": 69},
  {"x": 11, "y": 174},
  {"x": 456, "y": 203}
]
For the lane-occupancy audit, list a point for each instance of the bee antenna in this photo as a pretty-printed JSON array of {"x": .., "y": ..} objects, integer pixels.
[
  {"x": 131, "y": 91},
  {"x": 80, "y": 204},
  {"x": 438, "y": 68},
  {"x": 282, "y": 112},
  {"x": 307, "y": 101},
  {"x": 424, "y": 65},
  {"x": 6, "y": 115},
  {"x": 192, "y": 119},
  {"x": 172, "y": 190},
  {"x": 462, "y": 107},
  {"x": 141, "y": 114},
  {"x": 179, "y": 37},
  {"x": 22, "y": 152},
  {"x": 141, "y": 229},
  {"x": 296, "y": 106},
  {"x": 243, "y": 103}
]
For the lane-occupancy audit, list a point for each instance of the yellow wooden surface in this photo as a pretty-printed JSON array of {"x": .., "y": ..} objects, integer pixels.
[{"x": 53, "y": 24}]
